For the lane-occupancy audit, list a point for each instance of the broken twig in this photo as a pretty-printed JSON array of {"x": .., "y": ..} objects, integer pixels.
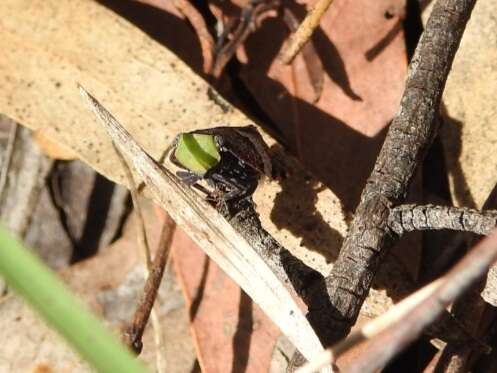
[{"x": 134, "y": 332}]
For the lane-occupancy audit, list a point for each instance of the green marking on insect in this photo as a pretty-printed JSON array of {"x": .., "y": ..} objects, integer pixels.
[{"x": 197, "y": 152}]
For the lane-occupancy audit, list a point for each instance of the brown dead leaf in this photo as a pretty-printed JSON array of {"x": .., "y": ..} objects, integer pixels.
[
  {"x": 231, "y": 333},
  {"x": 337, "y": 138}
]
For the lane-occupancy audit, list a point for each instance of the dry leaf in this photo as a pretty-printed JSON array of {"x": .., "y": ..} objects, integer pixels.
[
  {"x": 52, "y": 149},
  {"x": 156, "y": 96},
  {"x": 339, "y": 137},
  {"x": 224, "y": 320},
  {"x": 469, "y": 132}
]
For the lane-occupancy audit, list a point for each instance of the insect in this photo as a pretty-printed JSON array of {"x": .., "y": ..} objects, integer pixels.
[{"x": 231, "y": 160}]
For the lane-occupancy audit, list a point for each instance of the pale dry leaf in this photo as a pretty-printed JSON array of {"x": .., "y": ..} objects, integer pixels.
[
  {"x": 489, "y": 293},
  {"x": 470, "y": 132},
  {"x": 142, "y": 83},
  {"x": 215, "y": 236},
  {"x": 50, "y": 46},
  {"x": 52, "y": 149}
]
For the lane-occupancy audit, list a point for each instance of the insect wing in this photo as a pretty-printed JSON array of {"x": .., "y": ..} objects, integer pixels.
[{"x": 246, "y": 144}]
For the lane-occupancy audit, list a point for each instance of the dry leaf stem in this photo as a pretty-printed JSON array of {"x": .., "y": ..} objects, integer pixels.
[{"x": 405, "y": 146}]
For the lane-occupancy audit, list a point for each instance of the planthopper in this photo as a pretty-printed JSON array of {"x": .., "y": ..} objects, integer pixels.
[{"x": 231, "y": 161}]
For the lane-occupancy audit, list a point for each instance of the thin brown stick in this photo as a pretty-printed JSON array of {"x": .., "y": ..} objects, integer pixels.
[
  {"x": 305, "y": 30},
  {"x": 392, "y": 332},
  {"x": 134, "y": 340},
  {"x": 133, "y": 333},
  {"x": 197, "y": 22}
]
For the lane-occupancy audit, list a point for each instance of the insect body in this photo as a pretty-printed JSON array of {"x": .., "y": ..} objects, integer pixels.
[{"x": 231, "y": 159}]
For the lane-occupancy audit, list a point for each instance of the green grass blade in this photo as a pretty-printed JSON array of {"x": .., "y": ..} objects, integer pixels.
[{"x": 50, "y": 298}]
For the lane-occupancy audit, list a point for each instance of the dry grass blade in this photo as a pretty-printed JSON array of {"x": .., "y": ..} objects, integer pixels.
[
  {"x": 305, "y": 30},
  {"x": 216, "y": 237},
  {"x": 393, "y": 331}
]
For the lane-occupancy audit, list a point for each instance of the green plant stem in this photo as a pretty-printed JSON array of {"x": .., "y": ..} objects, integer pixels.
[{"x": 54, "y": 302}]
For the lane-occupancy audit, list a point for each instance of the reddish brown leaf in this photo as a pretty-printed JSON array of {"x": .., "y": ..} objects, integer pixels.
[{"x": 231, "y": 333}]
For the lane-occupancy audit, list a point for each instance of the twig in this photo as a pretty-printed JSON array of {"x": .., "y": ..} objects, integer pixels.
[
  {"x": 304, "y": 32},
  {"x": 132, "y": 336},
  {"x": 392, "y": 332},
  {"x": 134, "y": 332},
  {"x": 372, "y": 329},
  {"x": 197, "y": 22},
  {"x": 313, "y": 64},
  {"x": 216, "y": 237},
  {"x": 408, "y": 138},
  {"x": 408, "y": 218}
]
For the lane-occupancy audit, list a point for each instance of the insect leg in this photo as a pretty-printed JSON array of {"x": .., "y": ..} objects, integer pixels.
[
  {"x": 187, "y": 177},
  {"x": 239, "y": 190}
]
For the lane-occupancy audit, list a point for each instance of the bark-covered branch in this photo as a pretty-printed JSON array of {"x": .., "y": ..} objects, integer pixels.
[
  {"x": 408, "y": 218},
  {"x": 409, "y": 136}
]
